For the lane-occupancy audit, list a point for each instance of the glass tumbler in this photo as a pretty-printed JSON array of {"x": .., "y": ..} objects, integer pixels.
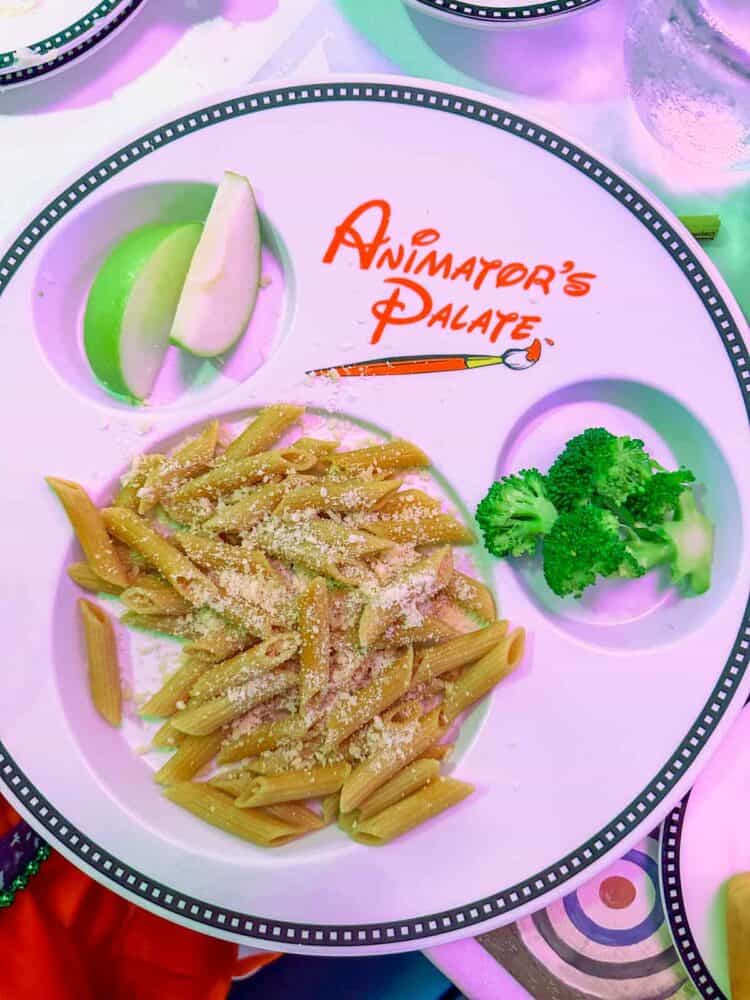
[{"x": 688, "y": 65}]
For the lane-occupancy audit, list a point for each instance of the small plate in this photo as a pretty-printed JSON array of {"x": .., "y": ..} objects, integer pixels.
[
  {"x": 704, "y": 843},
  {"x": 53, "y": 34},
  {"x": 500, "y": 12}
]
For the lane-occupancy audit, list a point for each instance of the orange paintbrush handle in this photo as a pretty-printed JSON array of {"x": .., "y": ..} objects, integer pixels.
[{"x": 399, "y": 366}]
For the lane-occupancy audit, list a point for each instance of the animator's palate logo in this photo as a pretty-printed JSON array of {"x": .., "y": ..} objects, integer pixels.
[{"x": 426, "y": 285}]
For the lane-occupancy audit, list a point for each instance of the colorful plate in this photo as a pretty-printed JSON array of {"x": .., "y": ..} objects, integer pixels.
[
  {"x": 52, "y": 34},
  {"x": 497, "y": 12},
  {"x": 622, "y": 697},
  {"x": 704, "y": 843}
]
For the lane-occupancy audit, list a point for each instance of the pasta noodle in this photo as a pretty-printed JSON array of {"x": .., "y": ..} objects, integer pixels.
[
  {"x": 325, "y": 630},
  {"x": 101, "y": 653},
  {"x": 315, "y": 640},
  {"x": 432, "y": 799},
  {"x": 475, "y": 681},
  {"x": 91, "y": 531},
  {"x": 214, "y": 807}
]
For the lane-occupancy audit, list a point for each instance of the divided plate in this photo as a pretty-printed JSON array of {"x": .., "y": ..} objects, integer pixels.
[{"x": 622, "y": 696}]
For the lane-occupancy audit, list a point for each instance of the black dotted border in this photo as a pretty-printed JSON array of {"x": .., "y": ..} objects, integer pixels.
[
  {"x": 532, "y": 889},
  {"x": 531, "y": 12},
  {"x": 82, "y": 29},
  {"x": 674, "y": 905}
]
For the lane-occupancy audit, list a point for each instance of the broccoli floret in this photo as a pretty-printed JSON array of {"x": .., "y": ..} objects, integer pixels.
[
  {"x": 584, "y": 543},
  {"x": 599, "y": 467},
  {"x": 515, "y": 514},
  {"x": 660, "y": 496},
  {"x": 691, "y": 538},
  {"x": 591, "y": 541}
]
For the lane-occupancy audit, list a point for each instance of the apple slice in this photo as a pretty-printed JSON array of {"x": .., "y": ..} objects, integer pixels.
[
  {"x": 222, "y": 283},
  {"x": 132, "y": 303}
]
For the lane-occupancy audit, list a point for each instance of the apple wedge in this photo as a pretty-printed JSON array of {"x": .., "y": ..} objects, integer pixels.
[
  {"x": 132, "y": 303},
  {"x": 222, "y": 282}
]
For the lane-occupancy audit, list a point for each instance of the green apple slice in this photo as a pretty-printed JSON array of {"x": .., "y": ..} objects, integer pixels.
[
  {"x": 222, "y": 283},
  {"x": 132, "y": 303}
]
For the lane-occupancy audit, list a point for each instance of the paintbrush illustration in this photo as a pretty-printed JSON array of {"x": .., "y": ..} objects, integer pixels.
[{"x": 515, "y": 358}]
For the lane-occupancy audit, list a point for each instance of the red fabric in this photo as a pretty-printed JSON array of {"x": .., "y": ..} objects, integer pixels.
[{"x": 66, "y": 937}]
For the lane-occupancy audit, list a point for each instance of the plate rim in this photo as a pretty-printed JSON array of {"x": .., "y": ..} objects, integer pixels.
[
  {"x": 69, "y": 43},
  {"x": 670, "y": 877},
  {"x": 681, "y": 768},
  {"x": 520, "y": 14}
]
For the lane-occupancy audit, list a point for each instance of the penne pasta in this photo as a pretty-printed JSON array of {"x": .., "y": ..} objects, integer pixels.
[
  {"x": 103, "y": 668},
  {"x": 385, "y": 606},
  {"x": 291, "y": 542},
  {"x": 441, "y": 751},
  {"x": 331, "y": 808},
  {"x": 192, "y": 754},
  {"x": 83, "y": 575},
  {"x": 246, "y": 513},
  {"x": 152, "y": 596},
  {"x": 402, "y": 745},
  {"x": 176, "y": 626},
  {"x": 473, "y": 596},
  {"x": 352, "y": 711},
  {"x": 174, "y": 690},
  {"x": 293, "y": 574},
  {"x": 249, "y": 471},
  {"x": 192, "y": 457},
  {"x": 181, "y": 572},
  {"x": 232, "y": 784},
  {"x": 435, "y": 529},
  {"x": 459, "y": 651},
  {"x": 265, "y": 736},
  {"x": 408, "y": 504},
  {"x": 315, "y": 636},
  {"x": 211, "y": 553},
  {"x": 391, "y": 457},
  {"x": 316, "y": 446},
  {"x": 410, "y": 779},
  {"x": 91, "y": 531},
  {"x": 212, "y": 715},
  {"x": 429, "y": 801},
  {"x": 218, "y": 809},
  {"x": 297, "y": 814},
  {"x": 219, "y": 644},
  {"x": 173, "y": 565},
  {"x": 127, "y": 495},
  {"x": 264, "y": 431},
  {"x": 167, "y": 737},
  {"x": 430, "y": 632},
  {"x": 478, "y": 679},
  {"x": 264, "y": 656},
  {"x": 267, "y": 790},
  {"x": 343, "y": 497}
]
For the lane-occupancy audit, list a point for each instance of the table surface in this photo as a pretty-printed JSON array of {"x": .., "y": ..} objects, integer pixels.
[{"x": 568, "y": 73}]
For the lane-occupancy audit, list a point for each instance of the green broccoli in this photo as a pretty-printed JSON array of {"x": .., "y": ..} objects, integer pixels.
[
  {"x": 584, "y": 543},
  {"x": 605, "y": 508},
  {"x": 598, "y": 467},
  {"x": 660, "y": 496},
  {"x": 590, "y": 541},
  {"x": 515, "y": 513},
  {"x": 690, "y": 535}
]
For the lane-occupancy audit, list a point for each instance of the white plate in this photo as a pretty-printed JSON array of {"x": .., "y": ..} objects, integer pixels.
[
  {"x": 500, "y": 12},
  {"x": 55, "y": 33},
  {"x": 705, "y": 843},
  {"x": 621, "y": 698}
]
